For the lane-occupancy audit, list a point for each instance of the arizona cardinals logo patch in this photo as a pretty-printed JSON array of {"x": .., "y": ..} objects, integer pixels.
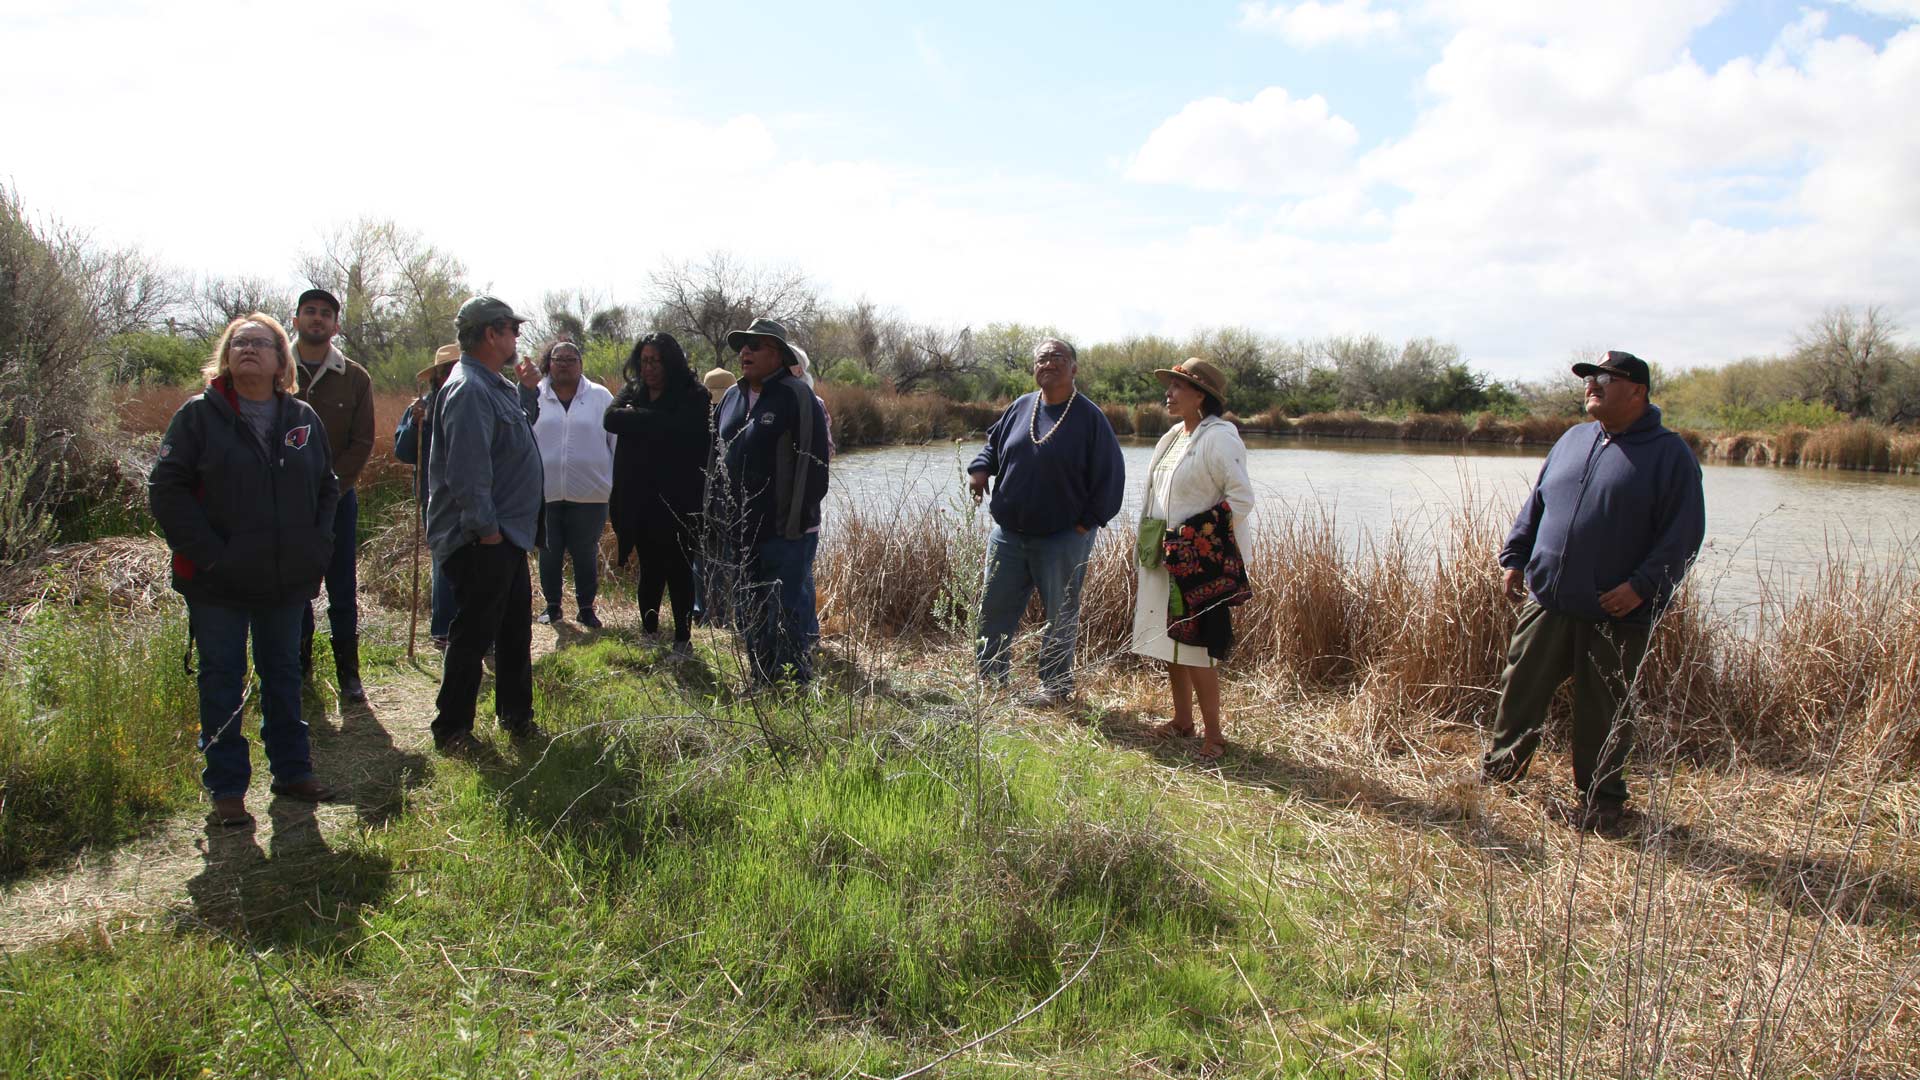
[{"x": 297, "y": 437}]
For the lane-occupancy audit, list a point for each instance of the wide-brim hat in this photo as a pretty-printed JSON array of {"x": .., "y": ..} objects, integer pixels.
[
  {"x": 762, "y": 328},
  {"x": 718, "y": 379},
  {"x": 1200, "y": 374},
  {"x": 1624, "y": 364},
  {"x": 444, "y": 357}
]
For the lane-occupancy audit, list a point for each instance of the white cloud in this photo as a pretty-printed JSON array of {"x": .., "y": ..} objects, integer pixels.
[
  {"x": 1892, "y": 9},
  {"x": 1312, "y": 23},
  {"x": 1271, "y": 144}
]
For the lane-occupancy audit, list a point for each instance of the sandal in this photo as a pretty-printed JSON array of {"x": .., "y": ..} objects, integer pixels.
[
  {"x": 1211, "y": 750},
  {"x": 1169, "y": 730}
]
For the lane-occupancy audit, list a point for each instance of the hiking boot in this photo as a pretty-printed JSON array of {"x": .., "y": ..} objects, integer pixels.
[
  {"x": 588, "y": 619},
  {"x": 308, "y": 790},
  {"x": 231, "y": 813},
  {"x": 461, "y": 744},
  {"x": 549, "y": 617},
  {"x": 346, "y": 668},
  {"x": 522, "y": 732}
]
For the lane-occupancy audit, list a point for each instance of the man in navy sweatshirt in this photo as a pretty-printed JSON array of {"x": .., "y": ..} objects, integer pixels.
[
  {"x": 1611, "y": 527},
  {"x": 1060, "y": 478}
]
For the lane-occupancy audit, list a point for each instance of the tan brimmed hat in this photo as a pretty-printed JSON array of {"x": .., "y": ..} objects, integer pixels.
[
  {"x": 444, "y": 357},
  {"x": 718, "y": 379},
  {"x": 1198, "y": 373}
]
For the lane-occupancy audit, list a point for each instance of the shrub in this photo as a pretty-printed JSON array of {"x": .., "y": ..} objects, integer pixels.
[
  {"x": 1119, "y": 417},
  {"x": 147, "y": 357}
]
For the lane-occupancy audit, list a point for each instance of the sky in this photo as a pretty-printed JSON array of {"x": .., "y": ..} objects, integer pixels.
[{"x": 1691, "y": 180}]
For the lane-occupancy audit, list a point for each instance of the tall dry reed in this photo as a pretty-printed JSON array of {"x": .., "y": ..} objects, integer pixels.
[{"x": 1416, "y": 626}]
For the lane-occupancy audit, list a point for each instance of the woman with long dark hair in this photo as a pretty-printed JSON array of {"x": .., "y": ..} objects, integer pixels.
[{"x": 659, "y": 477}]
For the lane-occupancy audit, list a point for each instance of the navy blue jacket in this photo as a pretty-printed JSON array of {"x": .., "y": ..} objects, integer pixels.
[
  {"x": 773, "y": 460},
  {"x": 405, "y": 445},
  {"x": 1608, "y": 509},
  {"x": 250, "y": 525},
  {"x": 1076, "y": 477}
]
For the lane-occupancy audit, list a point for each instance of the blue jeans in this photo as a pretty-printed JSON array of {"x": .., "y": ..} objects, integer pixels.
[
  {"x": 774, "y": 609},
  {"x": 573, "y": 529},
  {"x": 220, "y": 636},
  {"x": 1016, "y": 564},
  {"x": 343, "y": 578}
]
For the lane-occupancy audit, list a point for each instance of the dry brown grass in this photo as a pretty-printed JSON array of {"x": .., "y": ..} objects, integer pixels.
[
  {"x": 147, "y": 410},
  {"x": 1415, "y": 628},
  {"x": 1858, "y": 445}
]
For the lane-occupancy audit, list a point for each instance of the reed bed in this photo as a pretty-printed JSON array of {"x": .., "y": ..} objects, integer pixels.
[{"x": 1415, "y": 628}]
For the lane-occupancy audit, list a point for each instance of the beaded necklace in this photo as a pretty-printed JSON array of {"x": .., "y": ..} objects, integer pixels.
[{"x": 1033, "y": 421}]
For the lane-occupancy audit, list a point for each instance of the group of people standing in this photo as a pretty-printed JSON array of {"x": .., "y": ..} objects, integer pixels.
[{"x": 720, "y": 500}]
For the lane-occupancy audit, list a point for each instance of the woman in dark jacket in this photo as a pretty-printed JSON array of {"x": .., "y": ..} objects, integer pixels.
[
  {"x": 659, "y": 477},
  {"x": 244, "y": 491}
]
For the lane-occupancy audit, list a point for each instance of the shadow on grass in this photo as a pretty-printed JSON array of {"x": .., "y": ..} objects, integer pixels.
[
  {"x": 303, "y": 892},
  {"x": 1813, "y": 885},
  {"x": 361, "y": 761},
  {"x": 1327, "y": 786}
]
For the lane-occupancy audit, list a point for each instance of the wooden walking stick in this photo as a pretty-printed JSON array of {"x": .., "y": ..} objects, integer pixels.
[{"x": 413, "y": 609}]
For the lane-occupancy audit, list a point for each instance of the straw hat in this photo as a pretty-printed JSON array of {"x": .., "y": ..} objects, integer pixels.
[
  {"x": 444, "y": 357},
  {"x": 1199, "y": 374}
]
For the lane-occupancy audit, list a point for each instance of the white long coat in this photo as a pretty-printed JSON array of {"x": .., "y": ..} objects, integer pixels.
[{"x": 1213, "y": 469}]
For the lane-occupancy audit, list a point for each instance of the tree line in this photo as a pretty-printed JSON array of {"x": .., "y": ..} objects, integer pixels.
[{"x": 78, "y": 318}]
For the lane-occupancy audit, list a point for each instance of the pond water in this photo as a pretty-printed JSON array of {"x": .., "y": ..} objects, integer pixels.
[{"x": 1769, "y": 530}]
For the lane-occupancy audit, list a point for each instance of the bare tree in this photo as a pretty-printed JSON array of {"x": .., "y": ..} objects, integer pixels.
[
  {"x": 217, "y": 301},
  {"x": 929, "y": 357},
  {"x": 1848, "y": 358},
  {"x": 396, "y": 290},
  {"x": 721, "y": 293}
]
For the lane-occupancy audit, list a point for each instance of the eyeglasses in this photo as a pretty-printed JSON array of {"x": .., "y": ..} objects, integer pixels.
[
  {"x": 1601, "y": 379},
  {"x": 563, "y": 358},
  {"x": 508, "y": 327},
  {"x": 1051, "y": 358},
  {"x": 258, "y": 344}
]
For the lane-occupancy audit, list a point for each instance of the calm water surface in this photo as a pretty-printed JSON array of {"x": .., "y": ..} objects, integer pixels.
[{"x": 1768, "y": 530}]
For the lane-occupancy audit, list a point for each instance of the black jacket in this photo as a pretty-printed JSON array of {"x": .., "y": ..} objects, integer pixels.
[
  {"x": 659, "y": 462},
  {"x": 249, "y": 525},
  {"x": 774, "y": 461}
]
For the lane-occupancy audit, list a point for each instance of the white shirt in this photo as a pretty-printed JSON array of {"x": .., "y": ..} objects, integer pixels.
[{"x": 576, "y": 449}]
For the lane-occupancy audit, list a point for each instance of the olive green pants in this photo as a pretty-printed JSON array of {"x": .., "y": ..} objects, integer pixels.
[{"x": 1601, "y": 658}]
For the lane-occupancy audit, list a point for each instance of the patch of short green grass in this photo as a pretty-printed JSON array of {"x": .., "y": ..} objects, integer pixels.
[
  {"x": 98, "y": 729},
  {"x": 684, "y": 883}
]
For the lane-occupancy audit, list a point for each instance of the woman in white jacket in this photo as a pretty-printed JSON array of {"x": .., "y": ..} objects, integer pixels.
[{"x": 1198, "y": 464}]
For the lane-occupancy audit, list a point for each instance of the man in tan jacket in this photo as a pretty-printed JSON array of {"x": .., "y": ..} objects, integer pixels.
[{"x": 342, "y": 393}]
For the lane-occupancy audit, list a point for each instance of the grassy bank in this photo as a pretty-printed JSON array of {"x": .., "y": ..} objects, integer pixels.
[{"x": 690, "y": 884}]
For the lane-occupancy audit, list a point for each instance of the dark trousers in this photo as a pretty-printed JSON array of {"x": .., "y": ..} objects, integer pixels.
[
  {"x": 774, "y": 608},
  {"x": 220, "y": 637},
  {"x": 440, "y": 623},
  {"x": 573, "y": 530},
  {"x": 1602, "y": 659},
  {"x": 493, "y": 601},
  {"x": 343, "y": 578},
  {"x": 665, "y": 568}
]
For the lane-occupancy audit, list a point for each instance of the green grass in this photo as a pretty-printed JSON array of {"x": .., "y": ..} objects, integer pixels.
[
  {"x": 97, "y": 732},
  {"x": 767, "y": 887}
]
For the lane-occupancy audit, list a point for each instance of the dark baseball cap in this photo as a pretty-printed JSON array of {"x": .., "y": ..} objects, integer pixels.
[
  {"x": 317, "y": 294},
  {"x": 484, "y": 311},
  {"x": 1623, "y": 364}
]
